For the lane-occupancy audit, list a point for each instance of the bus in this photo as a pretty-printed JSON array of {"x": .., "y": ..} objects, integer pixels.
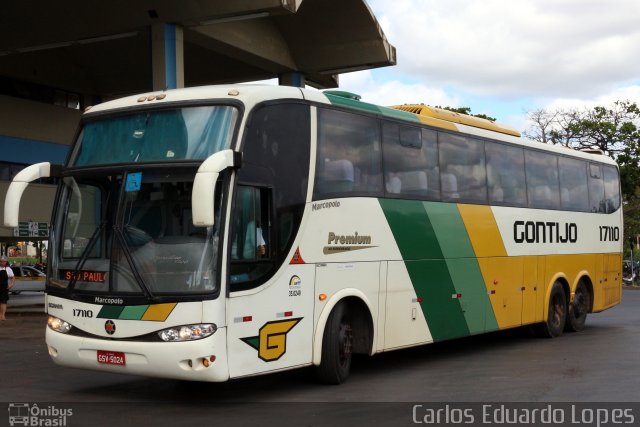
[{"x": 219, "y": 232}]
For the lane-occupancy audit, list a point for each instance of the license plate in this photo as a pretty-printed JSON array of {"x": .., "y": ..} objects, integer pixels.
[{"x": 111, "y": 357}]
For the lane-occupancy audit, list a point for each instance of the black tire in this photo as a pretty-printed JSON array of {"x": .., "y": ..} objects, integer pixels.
[
  {"x": 557, "y": 315},
  {"x": 578, "y": 309},
  {"x": 337, "y": 343}
]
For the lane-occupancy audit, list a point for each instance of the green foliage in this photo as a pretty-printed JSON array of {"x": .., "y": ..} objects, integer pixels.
[{"x": 614, "y": 129}]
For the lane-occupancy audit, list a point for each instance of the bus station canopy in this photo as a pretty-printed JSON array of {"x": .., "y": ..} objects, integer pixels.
[{"x": 103, "y": 47}]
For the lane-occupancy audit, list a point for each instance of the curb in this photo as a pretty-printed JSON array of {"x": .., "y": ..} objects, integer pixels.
[{"x": 26, "y": 310}]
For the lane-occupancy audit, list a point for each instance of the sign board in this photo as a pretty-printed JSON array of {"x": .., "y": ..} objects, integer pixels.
[{"x": 31, "y": 229}]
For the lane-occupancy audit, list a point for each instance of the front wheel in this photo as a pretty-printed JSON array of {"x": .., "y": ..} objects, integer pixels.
[
  {"x": 557, "y": 315},
  {"x": 578, "y": 309},
  {"x": 337, "y": 343}
]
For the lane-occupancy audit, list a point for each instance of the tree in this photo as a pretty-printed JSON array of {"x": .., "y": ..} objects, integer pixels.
[{"x": 614, "y": 129}]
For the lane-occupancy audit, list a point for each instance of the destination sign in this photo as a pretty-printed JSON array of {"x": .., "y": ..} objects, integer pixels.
[{"x": 84, "y": 275}]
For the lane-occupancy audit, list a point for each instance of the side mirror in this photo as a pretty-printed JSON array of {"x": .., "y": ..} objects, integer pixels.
[
  {"x": 204, "y": 185},
  {"x": 20, "y": 183}
]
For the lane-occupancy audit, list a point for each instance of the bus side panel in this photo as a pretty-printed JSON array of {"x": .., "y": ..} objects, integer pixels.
[
  {"x": 457, "y": 247},
  {"x": 441, "y": 263},
  {"x": 503, "y": 276},
  {"x": 343, "y": 277},
  {"x": 613, "y": 288},
  {"x": 610, "y": 283},
  {"x": 530, "y": 292},
  {"x": 403, "y": 312},
  {"x": 269, "y": 328}
]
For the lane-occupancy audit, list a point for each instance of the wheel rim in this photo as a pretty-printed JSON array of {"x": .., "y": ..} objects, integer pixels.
[
  {"x": 558, "y": 311},
  {"x": 345, "y": 337},
  {"x": 580, "y": 302}
]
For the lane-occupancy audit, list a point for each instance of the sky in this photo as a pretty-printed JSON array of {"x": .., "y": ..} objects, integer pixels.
[{"x": 505, "y": 58}]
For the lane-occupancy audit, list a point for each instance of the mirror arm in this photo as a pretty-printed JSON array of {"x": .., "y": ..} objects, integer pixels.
[
  {"x": 20, "y": 183},
  {"x": 204, "y": 185}
]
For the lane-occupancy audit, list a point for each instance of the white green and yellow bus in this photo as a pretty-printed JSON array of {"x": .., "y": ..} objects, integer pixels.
[{"x": 220, "y": 232}]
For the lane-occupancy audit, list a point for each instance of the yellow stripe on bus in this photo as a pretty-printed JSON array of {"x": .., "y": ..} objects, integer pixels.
[
  {"x": 159, "y": 312},
  {"x": 483, "y": 230}
]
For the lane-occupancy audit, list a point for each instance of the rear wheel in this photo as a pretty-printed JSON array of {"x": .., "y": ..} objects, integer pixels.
[
  {"x": 557, "y": 315},
  {"x": 337, "y": 344},
  {"x": 578, "y": 309}
]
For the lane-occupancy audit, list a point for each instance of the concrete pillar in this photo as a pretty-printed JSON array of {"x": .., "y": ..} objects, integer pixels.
[
  {"x": 295, "y": 79},
  {"x": 167, "y": 53}
]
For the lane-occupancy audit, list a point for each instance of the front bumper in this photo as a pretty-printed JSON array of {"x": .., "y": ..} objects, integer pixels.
[{"x": 176, "y": 360}]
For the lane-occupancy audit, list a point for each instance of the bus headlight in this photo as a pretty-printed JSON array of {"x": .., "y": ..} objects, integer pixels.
[
  {"x": 58, "y": 325},
  {"x": 188, "y": 332}
]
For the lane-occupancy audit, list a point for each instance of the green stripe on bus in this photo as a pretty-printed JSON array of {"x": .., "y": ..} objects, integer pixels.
[
  {"x": 449, "y": 229},
  {"x": 442, "y": 266},
  {"x": 353, "y": 104},
  {"x": 347, "y": 102},
  {"x": 469, "y": 284},
  {"x": 432, "y": 282},
  {"x": 463, "y": 266},
  {"x": 409, "y": 219},
  {"x": 133, "y": 312},
  {"x": 426, "y": 267},
  {"x": 110, "y": 311}
]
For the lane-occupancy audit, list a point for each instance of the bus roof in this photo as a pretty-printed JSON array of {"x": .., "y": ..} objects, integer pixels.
[{"x": 251, "y": 94}]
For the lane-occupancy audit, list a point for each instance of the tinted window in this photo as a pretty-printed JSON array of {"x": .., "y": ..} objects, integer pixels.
[
  {"x": 574, "y": 195},
  {"x": 611, "y": 188},
  {"x": 411, "y": 162},
  {"x": 160, "y": 135},
  {"x": 542, "y": 180},
  {"x": 349, "y": 156},
  {"x": 596, "y": 189},
  {"x": 462, "y": 169},
  {"x": 274, "y": 176},
  {"x": 505, "y": 175}
]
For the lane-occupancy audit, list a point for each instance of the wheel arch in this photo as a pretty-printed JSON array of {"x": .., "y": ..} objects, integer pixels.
[
  {"x": 364, "y": 331},
  {"x": 586, "y": 279},
  {"x": 564, "y": 282}
]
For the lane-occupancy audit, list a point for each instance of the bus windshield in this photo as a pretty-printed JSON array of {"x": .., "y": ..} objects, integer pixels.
[
  {"x": 190, "y": 133},
  {"x": 132, "y": 234}
]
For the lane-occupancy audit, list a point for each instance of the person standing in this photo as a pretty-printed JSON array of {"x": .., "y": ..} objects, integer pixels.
[{"x": 7, "y": 279}]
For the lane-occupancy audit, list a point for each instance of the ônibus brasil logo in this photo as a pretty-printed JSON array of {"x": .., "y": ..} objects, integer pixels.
[{"x": 30, "y": 414}]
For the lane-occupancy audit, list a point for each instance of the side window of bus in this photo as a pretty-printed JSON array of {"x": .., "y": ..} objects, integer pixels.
[
  {"x": 276, "y": 156},
  {"x": 611, "y": 188},
  {"x": 250, "y": 235},
  {"x": 505, "y": 175},
  {"x": 349, "y": 155},
  {"x": 542, "y": 180},
  {"x": 410, "y": 162},
  {"x": 83, "y": 214},
  {"x": 574, "y": 195},
  {"x": 463, "y": 175},
  {"x": 596, "y": 189}
]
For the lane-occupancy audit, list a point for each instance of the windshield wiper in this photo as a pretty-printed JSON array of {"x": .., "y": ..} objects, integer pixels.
[
  {"x": 136, "y": 274},
  {"x": 85, "y": 254}
]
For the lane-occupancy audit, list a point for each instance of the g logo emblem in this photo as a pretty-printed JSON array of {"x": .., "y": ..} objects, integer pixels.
[{"x": 272, "y": 341}]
